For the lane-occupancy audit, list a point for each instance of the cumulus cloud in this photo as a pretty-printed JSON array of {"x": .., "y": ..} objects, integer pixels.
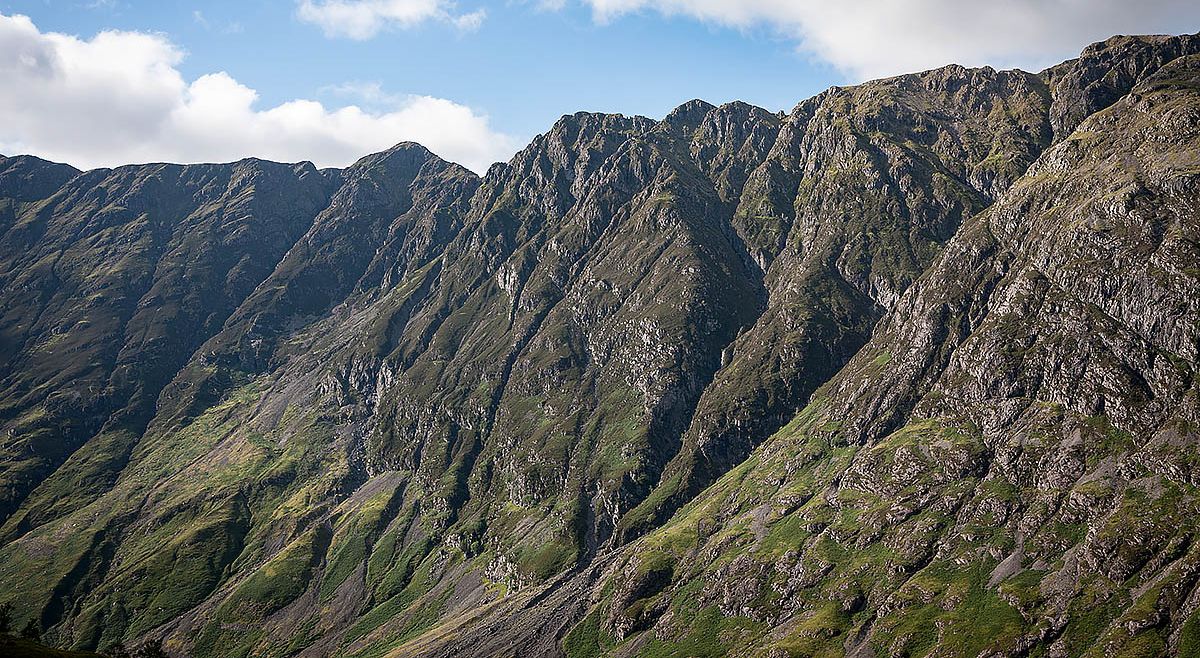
[
  {"x": 873, "y": 38},
  {"x": 119, "y": 97},
  {"x": 363, "y": 19}
]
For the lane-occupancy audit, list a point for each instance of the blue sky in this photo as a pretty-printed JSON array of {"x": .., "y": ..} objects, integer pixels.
[
  {"x": 473, "y": 80},
  {"x": 525, "y": 66}
]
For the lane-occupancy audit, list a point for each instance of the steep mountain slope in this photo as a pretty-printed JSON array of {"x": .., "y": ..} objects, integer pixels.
[
  {"x": 1007, "y": 468},
  {"x": 856, "y": 196},
  {"x": 111, "y": 281},
  {"x": 262, "y": 409}
]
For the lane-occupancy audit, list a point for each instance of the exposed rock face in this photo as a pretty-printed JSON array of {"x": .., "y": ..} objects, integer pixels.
[
  {"x": 858, "y": 193},
  {"x": 914, "y": 360},
  {"x": 1006, "y": 468}
]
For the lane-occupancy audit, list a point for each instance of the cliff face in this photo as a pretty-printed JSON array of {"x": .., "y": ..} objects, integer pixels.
[
  {"x": 915, "y": 358},
  {"x": 1006, "y": 468}
]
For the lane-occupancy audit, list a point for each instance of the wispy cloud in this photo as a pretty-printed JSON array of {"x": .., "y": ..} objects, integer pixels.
[
  {"x": 470, "y": 22},
  {"x": 120, "y": 97},
  {"x": 203, "y": 21},
  {"x": 364, "y": 19},
  {"x": 369, "y": 94}
]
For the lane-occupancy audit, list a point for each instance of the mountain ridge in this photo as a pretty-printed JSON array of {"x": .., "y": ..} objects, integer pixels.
[{"x": 434, "y": 394}]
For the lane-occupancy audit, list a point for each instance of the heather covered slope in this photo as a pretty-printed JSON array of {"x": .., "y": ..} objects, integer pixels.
[{"x": 403, "y": 408}]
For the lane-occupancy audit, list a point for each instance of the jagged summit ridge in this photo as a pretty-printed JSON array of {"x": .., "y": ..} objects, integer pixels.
[{"x": 733, "y": 373}]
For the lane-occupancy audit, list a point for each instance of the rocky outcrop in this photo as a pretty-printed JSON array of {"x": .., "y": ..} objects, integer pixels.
[
  {"x": 1006, "y": 467},
  {"x": 849, "y": 379}
]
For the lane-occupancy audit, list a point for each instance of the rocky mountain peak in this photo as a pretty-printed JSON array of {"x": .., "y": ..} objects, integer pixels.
[
  {"x": 687, "y": 117},
  {"x": 910, "y": 370},
  {"x": 25, "y": 178},
  {"x": 1105, "y": 72}
]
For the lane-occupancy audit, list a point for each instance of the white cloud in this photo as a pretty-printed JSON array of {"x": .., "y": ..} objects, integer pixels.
[
  {"x": 872, "y": 38},
  {"x": 472, "y": 21},
  {"x": 363, "y": 19},
  {"x": 119, "y": 98}
]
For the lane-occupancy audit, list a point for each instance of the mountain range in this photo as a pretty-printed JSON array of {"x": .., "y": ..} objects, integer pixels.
[{"x": 907, "y": 371}]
